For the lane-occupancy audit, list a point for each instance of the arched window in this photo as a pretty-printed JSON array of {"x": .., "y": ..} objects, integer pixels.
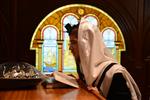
[
  {"x": 69, "y": 64},
  {"x": 49, "y": 50},
  {"x": 109, "y": 39}
]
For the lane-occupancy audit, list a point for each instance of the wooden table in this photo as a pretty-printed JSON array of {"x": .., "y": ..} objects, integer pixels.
[{"x": 48, "y": 94}]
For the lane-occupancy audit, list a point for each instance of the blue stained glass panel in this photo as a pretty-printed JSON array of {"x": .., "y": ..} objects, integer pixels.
[{"x": 49, "y": 51}]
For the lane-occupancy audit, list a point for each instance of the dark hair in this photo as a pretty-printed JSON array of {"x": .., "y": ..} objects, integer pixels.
[{"x": 70, "y": 28}]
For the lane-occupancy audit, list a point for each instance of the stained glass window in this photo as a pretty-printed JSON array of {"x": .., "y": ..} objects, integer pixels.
[
  {"x": 49, "y": 50},
  {"x": 109, "y": 40},
  {"x": 69, "y": 62}
]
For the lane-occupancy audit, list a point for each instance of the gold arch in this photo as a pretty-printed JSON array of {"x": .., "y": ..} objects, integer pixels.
[{"x": 80, "y": 10}]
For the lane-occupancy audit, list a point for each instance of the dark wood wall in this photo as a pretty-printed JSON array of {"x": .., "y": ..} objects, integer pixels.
[{"x": 19, "y": 19}]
